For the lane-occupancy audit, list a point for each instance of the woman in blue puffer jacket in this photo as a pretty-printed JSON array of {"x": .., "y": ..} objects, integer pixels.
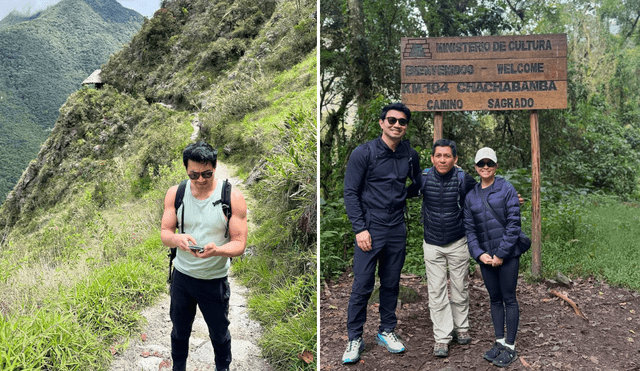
[{"x": 492, "y": 243}]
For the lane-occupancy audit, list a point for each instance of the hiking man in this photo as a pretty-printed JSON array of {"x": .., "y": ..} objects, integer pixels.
[
  {"x": 443, "y": 188},
  {"x": 203, "y": 251},
  {"x": 374, "y": 197}
]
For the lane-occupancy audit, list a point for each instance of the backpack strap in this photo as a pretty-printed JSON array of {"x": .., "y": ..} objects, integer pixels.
[
  {"x": 225, "y": 200},
  {"x": 177, "y": 203}
]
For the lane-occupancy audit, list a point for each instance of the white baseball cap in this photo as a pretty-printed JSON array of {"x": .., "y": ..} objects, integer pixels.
[{"x": 486, "y": 152}]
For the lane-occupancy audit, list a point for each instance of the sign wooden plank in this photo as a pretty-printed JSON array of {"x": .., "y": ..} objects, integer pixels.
[
  {"x": 484, "y": 70},
  {"x": 484, "y": 73}
]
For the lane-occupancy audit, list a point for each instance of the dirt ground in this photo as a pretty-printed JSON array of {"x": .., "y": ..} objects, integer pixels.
[{"x": 550, "y": 337}]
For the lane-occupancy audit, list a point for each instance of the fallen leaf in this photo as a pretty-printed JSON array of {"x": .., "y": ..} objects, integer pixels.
[
  {"x": 306, "y": 356},
  {"x": 631, "y": 331},
  {"x": 630, "y": 340},
  {"x": 332, "y": 307},
  {"x": 113, "y": 351},
  {"x": 143, "y": 337},
  {"x": 600, "y": 293},
  {"x": 632, "y": 311},
  {"x": 144, "y": 354}
]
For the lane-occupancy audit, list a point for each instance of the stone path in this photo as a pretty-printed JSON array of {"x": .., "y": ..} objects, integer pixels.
[{"x": 152, "y": 350}]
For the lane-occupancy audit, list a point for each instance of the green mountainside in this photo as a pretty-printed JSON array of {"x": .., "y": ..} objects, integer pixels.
[
  {"x": 79, "y": 233},
  {"x": 43, "y": 58}
]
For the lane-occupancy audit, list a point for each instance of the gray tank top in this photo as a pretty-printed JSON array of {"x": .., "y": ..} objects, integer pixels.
[{"x": 206, "y": 223}]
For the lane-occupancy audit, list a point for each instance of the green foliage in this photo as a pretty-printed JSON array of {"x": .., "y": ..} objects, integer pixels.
[
  {"x": 284, "y": 300},
  {"x": 110, "y": 299},
  {"x": 590, "y": 236},
  {"x": 48, "y": 340},
  {"x": 289, "y": 185}
]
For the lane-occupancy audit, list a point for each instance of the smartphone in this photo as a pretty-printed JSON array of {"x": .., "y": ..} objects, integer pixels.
[{"x": 197, "y": 248}]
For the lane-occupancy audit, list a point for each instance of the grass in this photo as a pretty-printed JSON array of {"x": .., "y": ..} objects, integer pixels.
[
  {"x": 75, "y": 326},
  {"x": 284, "y": 302},
  {"x": 597, "y": 236}
]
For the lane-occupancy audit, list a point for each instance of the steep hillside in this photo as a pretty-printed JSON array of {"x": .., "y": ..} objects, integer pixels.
[
  {"x": 44, "y": 58},
  {"x": 79, "y": 233}
]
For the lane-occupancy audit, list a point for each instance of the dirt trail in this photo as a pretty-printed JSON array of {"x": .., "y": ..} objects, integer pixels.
[
  {"x": 151, "y": 350},
  {"x": 551, "y": 335}
]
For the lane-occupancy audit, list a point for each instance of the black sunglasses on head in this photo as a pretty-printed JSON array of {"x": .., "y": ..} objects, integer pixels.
[
  {"x": 393, "y": 120},
  {"x": 489, "y": 163},
  {"x": 205, "y": 174}
]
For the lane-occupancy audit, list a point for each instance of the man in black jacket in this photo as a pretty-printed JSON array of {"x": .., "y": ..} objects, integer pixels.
[
  {"x": 444, "y": 187},
  {"x": 374, "y": 197}
]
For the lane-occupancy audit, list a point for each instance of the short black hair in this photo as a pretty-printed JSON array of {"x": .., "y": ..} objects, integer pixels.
[
  {"x": 201, "y": 152},
  {"x": 396, "y": 107},
  {"x": 445, "y": 143}
]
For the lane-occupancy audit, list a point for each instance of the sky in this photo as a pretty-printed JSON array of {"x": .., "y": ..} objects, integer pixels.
[{"x": 144, "y": 7}]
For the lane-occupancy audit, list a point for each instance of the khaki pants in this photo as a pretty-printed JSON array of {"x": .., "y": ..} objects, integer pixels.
[{"x": 447, "y": 314}]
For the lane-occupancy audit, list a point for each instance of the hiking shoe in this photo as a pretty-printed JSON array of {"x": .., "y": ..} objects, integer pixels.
[
  {"x": 462, "y": 337},
  {"x": 352, "y": 353},
  {"x": 441, "y": 350},
  {"x": 492, "y": 353},
  {"x": 506, "y": 357},
  {"x": 389, "y": 340}
]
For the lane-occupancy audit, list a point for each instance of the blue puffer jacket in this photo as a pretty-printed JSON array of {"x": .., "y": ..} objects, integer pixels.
[{"x": 484, "y": 233}]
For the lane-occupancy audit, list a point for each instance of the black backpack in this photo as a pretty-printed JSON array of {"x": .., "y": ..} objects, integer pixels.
[{"x": 225, "y": 200}]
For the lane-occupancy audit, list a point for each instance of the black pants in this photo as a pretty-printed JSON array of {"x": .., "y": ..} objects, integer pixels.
[
  {"x": 501, "y": 282},
  {"x": 212, "y": 296},
  {"x": 388, "y": 253}
]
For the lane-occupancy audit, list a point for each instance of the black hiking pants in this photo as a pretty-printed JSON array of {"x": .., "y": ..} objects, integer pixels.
[
  {"x": 212, "y": 296},
  {"x": 388, "y": 251}
]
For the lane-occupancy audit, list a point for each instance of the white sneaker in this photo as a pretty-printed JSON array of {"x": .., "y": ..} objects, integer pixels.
[
  {"x": 352, "y": 353},
  {"x": 389, "y": 340}
]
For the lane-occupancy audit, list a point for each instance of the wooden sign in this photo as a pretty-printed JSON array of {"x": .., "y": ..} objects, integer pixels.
[{"x": 484, "y": 73}]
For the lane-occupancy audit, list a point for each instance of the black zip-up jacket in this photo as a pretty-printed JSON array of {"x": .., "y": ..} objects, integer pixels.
[
  {"x": 375, "y": 188},
  {"x": 442, "y": 205}
]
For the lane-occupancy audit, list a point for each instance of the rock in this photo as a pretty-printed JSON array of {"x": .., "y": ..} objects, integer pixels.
[{"x": 564, "y": 280}]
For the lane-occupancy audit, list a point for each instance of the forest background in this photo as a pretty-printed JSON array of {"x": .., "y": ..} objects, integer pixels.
[{"x": 589, "y": 152}]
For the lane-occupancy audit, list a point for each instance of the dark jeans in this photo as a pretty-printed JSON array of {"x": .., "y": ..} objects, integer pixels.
[
  {"x": 388, "y": 252},
  {"x": 501, "y": 283},
  {"x": 212, "y": 296}
]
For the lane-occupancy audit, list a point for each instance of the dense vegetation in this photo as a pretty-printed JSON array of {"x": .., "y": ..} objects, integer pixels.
[
  {"x": 80, "y": 244},
  {"x": 43, "y": 58},
  {"x": 590, "y": 149}
]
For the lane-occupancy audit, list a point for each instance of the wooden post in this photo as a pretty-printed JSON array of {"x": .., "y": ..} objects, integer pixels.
[
  {"x": 437, "y": 125},
  {"x": 536, "y": 229}
]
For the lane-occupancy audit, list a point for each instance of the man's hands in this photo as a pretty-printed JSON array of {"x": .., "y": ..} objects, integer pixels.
[
  {"x": 183, "y": 241},
  {"x": 363, "y": 239}
]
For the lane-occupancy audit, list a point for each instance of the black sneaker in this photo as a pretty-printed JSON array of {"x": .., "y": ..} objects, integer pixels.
[
  {"x": 506, "y": 357},
  {"x": 492, "y": 353}
]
